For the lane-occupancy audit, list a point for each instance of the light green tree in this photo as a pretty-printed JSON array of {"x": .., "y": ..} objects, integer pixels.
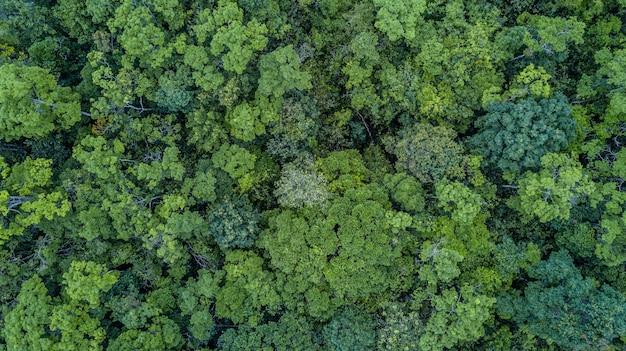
[
  {"x": 461, "y": 201},
  {"x": 86, "y": 280},
  {"x": 26, "y": 324},
  {"x": 27, "y": 197},
  {"x": 32, "y": 104},
  {"x": 551, "y": 193},
  {"x": 241, "y": 40},
  {"x": 280, "y": 72},
  {"x": 399, "y": 19}
]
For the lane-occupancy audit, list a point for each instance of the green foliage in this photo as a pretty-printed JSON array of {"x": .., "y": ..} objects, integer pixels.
[
  {"x": 86, "y": 280},
  {"x": 234, "y": 160},
  {"x": 312, "y": 175},
  {"x": 242, "y": 40},
  {"x": 400, "y": 330},
  {"x": 26, "y": 197},
  {"x": 79, "y": 331},
  {"x": 458, "y": 199},
  {"x": 454, "y": 68},
  {"x": 398, "y": 20},
  {"x": 295, "y": 130},
  {"x": 343, "y": 169},
  {"x": 234, "y": 224},
  {"x": 554, "y": 190},
  {"x": 300, "y": 187},
  {"x": 406, "y": 191},
  {"x": 32, "y": 104},
  {"x": 566, "y": 309},
  {"x": 280, "y": 72},
  {"x": 514, "y": 136},
  {"x": 350, "y": 329},
  {"x": 99, "y": 156},
  {"x": 161, "y": 334},
  {"x": 429, "y": 153},
  {"x": 457, "y": 317},
  {"x": 196, "y": 299},
  {"x": 291, "y": 332},
  {"x": 439, "y": 264},
  {"x": 25, "y": 326},
  {"x": 550, "y": 35},
  {"x": 349, "y": 249},
  {"x": 248, "y": 291}
]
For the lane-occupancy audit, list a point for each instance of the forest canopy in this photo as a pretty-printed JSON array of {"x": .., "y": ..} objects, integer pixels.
[{"x": 367, "y": 175}]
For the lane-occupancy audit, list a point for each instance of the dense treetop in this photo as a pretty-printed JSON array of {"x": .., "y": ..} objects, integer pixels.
[{"x": 312, "y": 175}]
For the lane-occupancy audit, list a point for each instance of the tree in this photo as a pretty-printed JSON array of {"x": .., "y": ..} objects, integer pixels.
[
  {"x": 457, "y": 316},
  {"x": 196, "y": 299},
  {"x": 514, "y": 136},
  {"x": 86, "y": 280},
  {"x": 291, "y": 332},
  {"x": 344, "y": 170},
  {"x": 406, "y": 191},
  {"x": 234, "y": 160},
  {"x": 350, "y": 329},
  {"x": 554, "y": 190},
  {"x": 345, "y": 252},
  {"x": 400, "y": 330},
  {"x": 234, "y": 224},
  {"x": 301, "y": 186},
  {"x": 249, "y": 289},
  {"x": 398, "y": 20},
  {"x": 550, "y": 34},
  {"x": 564, "y": 308},
  {"x": 32, "y": 104},
  {"x": 458, "y": 199},
  {"x": 27, "y": 197},
  {"x": 242, "y": 40},
  {"x": 280, "y": 72},
  {"x": 161, "y": 334},
  {"x": 26, "y": 324},
  {"x": 429, "y": 153}
]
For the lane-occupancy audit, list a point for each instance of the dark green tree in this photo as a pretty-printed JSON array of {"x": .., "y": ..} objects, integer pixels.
[
  {"x": 514, "y": 136},
  {"x": 350, "y": 329},
  {"x": 564, "y": 308}
]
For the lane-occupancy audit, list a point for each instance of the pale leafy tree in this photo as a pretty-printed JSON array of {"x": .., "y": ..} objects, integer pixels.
[{"x": 301, "y": 187}]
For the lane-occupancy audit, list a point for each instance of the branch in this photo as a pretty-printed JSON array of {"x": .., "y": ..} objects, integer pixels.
[
  {"x": 39, "y": 102},
  {"x": 365, "y": 124},
  {"x": 140, "y": 109},
  {"x": 517, "y": 57},
  {"x": 510, "y": 186},
  {"x": 15, "y": 201}
]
